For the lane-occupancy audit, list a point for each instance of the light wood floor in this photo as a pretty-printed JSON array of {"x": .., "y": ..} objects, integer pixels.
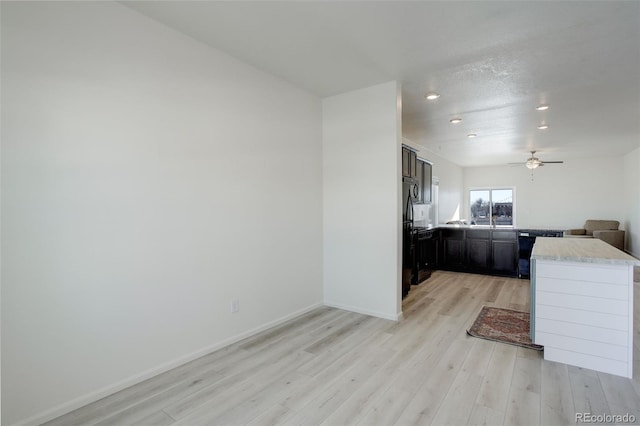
[{"x": 333, "y": 367}]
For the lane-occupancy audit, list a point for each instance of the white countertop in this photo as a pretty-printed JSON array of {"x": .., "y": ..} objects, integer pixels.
[{"x": 588, "y": 250}]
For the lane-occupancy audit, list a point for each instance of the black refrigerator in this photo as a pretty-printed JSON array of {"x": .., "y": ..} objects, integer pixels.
[{"x": 409, "y": 196}]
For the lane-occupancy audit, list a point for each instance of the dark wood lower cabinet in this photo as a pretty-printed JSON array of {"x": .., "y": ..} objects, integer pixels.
[
  {"x": 454, "y": 253},
  {"x": 504, "y": 256},
  {"x": 483, "y": 251},
  {"x": 480, "y": 251},
  {"x": 433, "y": 251},
  {"x": 478, "y": 254},
  {"x": 453, "y": 250}
]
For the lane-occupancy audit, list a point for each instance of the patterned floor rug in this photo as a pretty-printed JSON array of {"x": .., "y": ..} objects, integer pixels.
[{"x": 503, "y": 325}]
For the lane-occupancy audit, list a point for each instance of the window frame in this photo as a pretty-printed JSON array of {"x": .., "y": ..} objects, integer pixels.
[{"x": 490, "y": 189}]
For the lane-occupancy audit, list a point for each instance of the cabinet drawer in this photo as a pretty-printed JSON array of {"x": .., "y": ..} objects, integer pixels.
[
  {"x": 482, "y": 234},
  {"x": 453, "y": 234},
  {"x": 504, "y": 235}
]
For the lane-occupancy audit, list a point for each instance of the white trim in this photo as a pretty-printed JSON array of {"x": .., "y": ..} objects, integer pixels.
[
  {"x": 74, "y": 404},
  {"x": 426, "y": 161},
  {"x": 393, "y": 317},
  {"x": 490, "y": 189}
]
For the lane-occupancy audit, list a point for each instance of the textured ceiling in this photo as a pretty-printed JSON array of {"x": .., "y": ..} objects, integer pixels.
[{"x": 492, "y": 63}]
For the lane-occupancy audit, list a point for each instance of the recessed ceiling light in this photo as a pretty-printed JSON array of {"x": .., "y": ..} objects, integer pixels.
[
  {"x": 543, "y": 127},
  {"x": 432, "y": 96},
  {"x": 542, "y": 107},
  {"x": 472, "y": 135},
  {"x": 455, "y": 120}
]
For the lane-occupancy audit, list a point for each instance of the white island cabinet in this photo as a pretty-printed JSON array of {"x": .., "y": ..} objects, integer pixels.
[{"x": 582, "y": 303}]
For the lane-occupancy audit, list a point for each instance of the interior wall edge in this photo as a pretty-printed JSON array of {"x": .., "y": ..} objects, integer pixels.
[{"x": 397, "y": 317}]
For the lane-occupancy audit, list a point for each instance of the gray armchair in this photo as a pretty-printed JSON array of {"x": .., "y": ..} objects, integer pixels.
[{"x": 605, "y": 230}]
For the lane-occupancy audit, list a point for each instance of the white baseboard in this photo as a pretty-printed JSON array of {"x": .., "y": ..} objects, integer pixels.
[
  {"x": 393, "y": 317},
  {"x": 74, "y": 404}
]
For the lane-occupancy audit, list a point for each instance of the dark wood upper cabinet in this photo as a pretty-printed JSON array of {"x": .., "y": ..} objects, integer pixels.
[
  {"x": 423, "y": 176},
  {"x": 413, "y": 163},
  {"x": 419, "y": 180},
  {"x": 405, "y": 163},
  {"x": 420, "y": 170},
  {"x": 426, "y": 180},
  {"x": 409, "y": 163}
]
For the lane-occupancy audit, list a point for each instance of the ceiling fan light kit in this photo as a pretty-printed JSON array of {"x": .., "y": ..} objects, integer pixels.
[{"x": 534, "y": 162}]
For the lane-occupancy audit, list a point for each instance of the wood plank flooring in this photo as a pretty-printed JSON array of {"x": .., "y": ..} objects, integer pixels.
[{"x": 332, "y": 367}]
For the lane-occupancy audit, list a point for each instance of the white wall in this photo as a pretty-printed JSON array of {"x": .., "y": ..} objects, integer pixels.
[
  {"x": 632, "y": 201},
  {"x": 560, "y": 196},
  {"x": 147, "y": 180},
  {"x": 450, "y": 191},
  {"x": 451, "y": 182},
  {"x": 361, "y": 202}
]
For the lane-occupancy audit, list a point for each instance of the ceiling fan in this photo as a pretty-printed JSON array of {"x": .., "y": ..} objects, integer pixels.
[{"x": 534, "y": 162}]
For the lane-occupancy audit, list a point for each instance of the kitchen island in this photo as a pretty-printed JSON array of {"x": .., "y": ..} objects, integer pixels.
[{"x": 582, "y": 303}]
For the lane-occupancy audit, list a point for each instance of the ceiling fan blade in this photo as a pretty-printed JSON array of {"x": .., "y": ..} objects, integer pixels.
[
  {"x": 516, "y": 164},
  {"x": 552, "y": 162}
]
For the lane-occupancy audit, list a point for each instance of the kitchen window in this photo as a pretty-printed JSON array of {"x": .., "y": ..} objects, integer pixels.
[{"x": 492, "y": 206}]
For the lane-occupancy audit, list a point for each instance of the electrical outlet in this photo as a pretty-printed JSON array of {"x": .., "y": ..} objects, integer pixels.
[{"x": 235, "y": 306}]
